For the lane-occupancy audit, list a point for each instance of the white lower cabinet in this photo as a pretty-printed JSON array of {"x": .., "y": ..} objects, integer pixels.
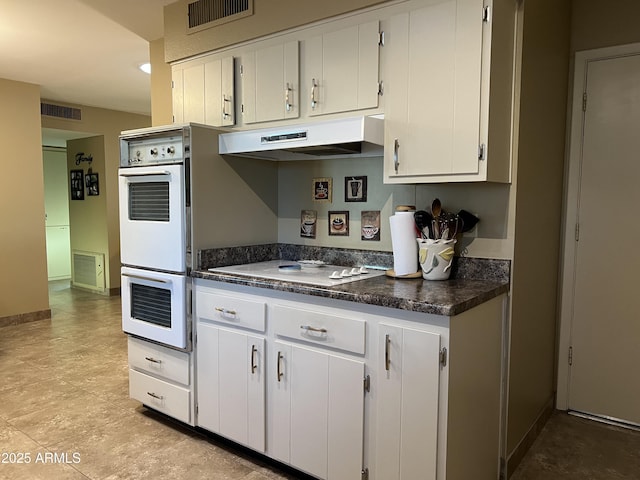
[
  {"x": 318, "y": 411},
  {"x": 408, "y": 395},
  {"x": 230, "y": 378},
  {"x": 160, "y": 378}
]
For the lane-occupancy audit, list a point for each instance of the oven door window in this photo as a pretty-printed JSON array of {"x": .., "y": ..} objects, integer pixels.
[
  {"x": 151, "y": 305},
  {"x": 149, "y": 201}
]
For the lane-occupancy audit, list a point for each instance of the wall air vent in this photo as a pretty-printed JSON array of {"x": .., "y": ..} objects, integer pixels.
[
  {"x": 60, "y": 111},
  {"x": 209, "y": 13},
  {"x": 87, "y": 270}
]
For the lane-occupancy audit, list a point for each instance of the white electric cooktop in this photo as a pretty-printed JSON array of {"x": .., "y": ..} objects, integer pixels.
[{"x": 310, "y": 272}]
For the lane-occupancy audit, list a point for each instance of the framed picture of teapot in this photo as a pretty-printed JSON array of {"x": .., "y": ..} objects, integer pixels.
[{"x": 339, "y": 223}]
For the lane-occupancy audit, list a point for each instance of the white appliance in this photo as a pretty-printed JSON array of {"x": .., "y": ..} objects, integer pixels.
[
  {"x": 157, "y": 167},
  {"x": 337, "y": 138},
  {"x": 306, "y": 272}
]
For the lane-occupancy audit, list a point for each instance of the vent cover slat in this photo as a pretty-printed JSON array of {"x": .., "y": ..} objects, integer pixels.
[
  {"x": 60, "y": 111},
  {"x": 212, "y": 12}
]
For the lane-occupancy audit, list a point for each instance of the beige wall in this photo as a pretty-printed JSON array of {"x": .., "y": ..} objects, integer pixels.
[
  {"x": 269, "y": 17},
  {"x": 596, "y": 24},
  {"x": 539, "y": 187},
  {"x": 23, "y": 261},
  {"x": 161, "y": 103},
  {"x": 108, "y": 123}
]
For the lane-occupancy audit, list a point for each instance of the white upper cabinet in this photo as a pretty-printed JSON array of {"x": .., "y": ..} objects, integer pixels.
[
  {"x": 436, "y": 95},
  {"x": 203, "y": 91},
  {"x": 341, "y": 70},
  {"x": 270, "y": 83}
]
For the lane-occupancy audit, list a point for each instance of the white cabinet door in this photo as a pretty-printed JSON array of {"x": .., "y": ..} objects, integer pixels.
[
  {"x": 231, "y": 389},
  {"x": 270, "y": 85},
  {"x": 177, "y": 94},
  {"x": 193, "y": 97},
  {"x": 433, "y": 92},
  {"x": 318, "y": 412},
  {"x": 342, "y": 69},
  {"x": 219, "y": 97},
  {"x": 408, "y": 392}
]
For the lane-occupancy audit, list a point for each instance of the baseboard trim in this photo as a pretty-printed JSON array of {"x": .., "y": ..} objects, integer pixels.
[
  {"x": 525, "y": 444},
  {"x": 25, "y": 318}
]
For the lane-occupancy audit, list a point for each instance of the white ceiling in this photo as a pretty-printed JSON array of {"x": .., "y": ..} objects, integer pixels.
[{"x": 83, "y": 52}]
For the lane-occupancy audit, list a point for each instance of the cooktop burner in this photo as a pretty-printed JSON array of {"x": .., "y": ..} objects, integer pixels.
[{"x": 304, "y": 271}]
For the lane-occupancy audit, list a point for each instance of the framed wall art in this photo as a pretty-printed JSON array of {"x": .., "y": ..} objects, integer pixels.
[
  {"x": 355, "y": 189},
  {"x": 308, "y": 220},
  {"x": 370, "y": 225},
  {"x": 322, "y": 188},
  {"x": 91, "y": 182},
  {"x": 339, "y": 223},
  {"x": 76, "y": 183}
]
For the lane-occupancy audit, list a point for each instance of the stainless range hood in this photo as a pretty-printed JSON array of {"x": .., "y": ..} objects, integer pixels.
[{"x": 338, "y": 138}]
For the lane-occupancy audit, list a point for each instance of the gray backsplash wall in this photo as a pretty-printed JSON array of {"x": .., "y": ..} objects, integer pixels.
[{"x": 488, "y": 201}]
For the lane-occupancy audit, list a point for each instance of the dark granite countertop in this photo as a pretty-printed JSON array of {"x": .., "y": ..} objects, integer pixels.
[
  {"x": 473, "y": 280},
  {"x": 448, "y": 297}
]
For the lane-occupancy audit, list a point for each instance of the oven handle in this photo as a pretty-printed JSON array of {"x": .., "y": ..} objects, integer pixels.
[
  {"x": 145, "y": 174},
  {"x": 148, "y": 279}
]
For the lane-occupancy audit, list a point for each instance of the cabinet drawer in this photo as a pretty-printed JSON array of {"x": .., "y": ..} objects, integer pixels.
[
  {"x": 158, "y": 360},
  {"x": 230, "y": 310},
  {"x": 165, "y": 397},
  {"x": 320, "y": 328}
]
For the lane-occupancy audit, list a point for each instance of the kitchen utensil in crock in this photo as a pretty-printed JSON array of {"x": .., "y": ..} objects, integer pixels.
[
  {"x": 469, "y": 220},
  {"x": 423, "y": 221}
]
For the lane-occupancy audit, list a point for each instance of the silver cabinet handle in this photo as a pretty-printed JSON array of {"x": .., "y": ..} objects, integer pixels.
[
  {"x": 314, "y": 85},
  {"x": 287, "y": 97},
  {"x": 224, "y": 311},
  {"x": 279, "y": 366},
  {"x": 396, "y": 155},
  {"x": 152, "y": 360},
  {"x": 254, "y": 350},
  {"x": 158, "y": 397},
  {"x": 387, "y": 353},
  {"x": 309, "y": 328},
  {"x": 225, "y": 100}
]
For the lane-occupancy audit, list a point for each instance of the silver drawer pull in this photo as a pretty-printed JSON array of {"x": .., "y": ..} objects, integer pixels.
[
  {"x": 158, "y": 397},
  {"x": 387, "y": 353},
  {"x": 254, "y": 350},
  {"x": 279, "y": 367},
  {"x": 152, "y": 360},
  {"x": 309, "y": 328},
  {"x": 224, "y": 311}
]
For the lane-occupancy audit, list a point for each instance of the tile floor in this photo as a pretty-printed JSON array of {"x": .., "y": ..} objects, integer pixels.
[{"x": 64, "y": 402}]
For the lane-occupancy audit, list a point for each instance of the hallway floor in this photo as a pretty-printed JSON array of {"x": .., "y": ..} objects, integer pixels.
[
  {"x": 65, "y": 410},
  {"x": 66, "y": 414}
]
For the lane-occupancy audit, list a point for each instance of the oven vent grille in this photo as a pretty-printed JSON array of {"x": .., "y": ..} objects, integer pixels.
[
  {"x": 60, "y": 111},
  {"x": 208, "y": 13},
  {"x": 88, "y": 270}
]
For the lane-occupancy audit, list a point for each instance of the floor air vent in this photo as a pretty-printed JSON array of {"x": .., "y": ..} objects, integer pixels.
[
  {"x": 60, "y": 111},
  {"x": 88, "y": 270},
  {"x": 208, "y": 13}
]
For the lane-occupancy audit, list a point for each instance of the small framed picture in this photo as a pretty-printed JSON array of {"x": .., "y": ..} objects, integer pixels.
[
  {"x": 370, "y": 225},
  {"x": 308, "y": 220},
  {"x": 76, "y": 183},
  {"x": 355, "y": 189},
  {"x": 322, "y": 188},
  {"x": 339, "y": 223},
  {"x": 91, "y": 182}
]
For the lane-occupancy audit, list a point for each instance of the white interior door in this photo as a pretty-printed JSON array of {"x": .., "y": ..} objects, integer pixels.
[{"x": 605, "y": 309}]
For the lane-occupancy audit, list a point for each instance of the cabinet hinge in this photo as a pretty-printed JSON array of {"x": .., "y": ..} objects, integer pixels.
[
  {"x": 173, "y": 85},
  {"x": 486, "y": 14},
  {"x": 482, "y": 149},
  {"x": 364, "y": 474},
  {"x": 242, "y": 108},
  {"x": 443, "y": 357},
  {"x": 577, "y": 232},
  {"x": 570, "y": 356},
  {"x": 241, "y": 69},
  {"x": 196, "y": 409},
  {"x": 367, "y": 384},
  {"x": 381, "y": 39},
  {"x": 380, "y": 88},
  {"x": 584, "y": 102}
]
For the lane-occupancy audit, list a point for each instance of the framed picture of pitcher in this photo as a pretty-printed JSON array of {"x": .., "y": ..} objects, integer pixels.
[{"x": 355, "y": 189}]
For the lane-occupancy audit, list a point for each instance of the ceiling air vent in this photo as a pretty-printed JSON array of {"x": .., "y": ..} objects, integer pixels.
[
  {"x": 60, "y": 111},
  {"x": 208, "y": 13}
]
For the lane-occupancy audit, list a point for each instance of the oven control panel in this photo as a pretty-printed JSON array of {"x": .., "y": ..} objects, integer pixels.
[{"x": 153, "y": 151}]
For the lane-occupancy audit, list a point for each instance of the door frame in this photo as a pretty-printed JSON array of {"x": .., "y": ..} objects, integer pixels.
[{"x": 570, "y": 214}]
